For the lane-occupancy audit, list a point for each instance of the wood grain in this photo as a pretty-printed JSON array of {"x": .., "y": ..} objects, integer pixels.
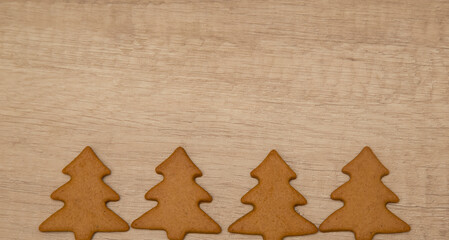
[{"x": 228, "y": 81}]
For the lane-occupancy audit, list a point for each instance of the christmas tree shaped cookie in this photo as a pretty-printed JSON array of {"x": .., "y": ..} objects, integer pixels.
[
  {"x": 85, "y": 197},
  {"x": 365, "y": 198},
  {"x": 178, "y": 197},
  {"x": 274, "y": 200}
]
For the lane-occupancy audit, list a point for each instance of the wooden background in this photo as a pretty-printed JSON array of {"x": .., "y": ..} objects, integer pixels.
[{"x": 229, "y": 81}]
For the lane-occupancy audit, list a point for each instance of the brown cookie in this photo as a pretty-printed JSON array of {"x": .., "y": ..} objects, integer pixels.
[
  {"x": 178, "y": 197},
  {"x": 274, "y": 200},
  {"x": 365, "y": 198},
  {"x": 85, "y": 196}
]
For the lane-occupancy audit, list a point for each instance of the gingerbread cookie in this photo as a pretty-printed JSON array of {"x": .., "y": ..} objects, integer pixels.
[
  {"x": 365, "y": 198},
  {"x": 274, "y": 200},
  {"x": 178, "y": 197},
  {"x": 84, "y": 197}
]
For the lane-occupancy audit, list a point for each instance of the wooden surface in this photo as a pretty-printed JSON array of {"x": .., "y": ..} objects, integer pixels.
[{"x": 229, "y": 81}]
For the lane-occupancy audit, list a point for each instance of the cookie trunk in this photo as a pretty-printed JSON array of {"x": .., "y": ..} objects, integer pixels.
[
  {"x": 83, "y": 235},
  {"x": 176, "y": 235},
  {"x": 268, "y": 236},
  {"x": 364, "y": 236}
]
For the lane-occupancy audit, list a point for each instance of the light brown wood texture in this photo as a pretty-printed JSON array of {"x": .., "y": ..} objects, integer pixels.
[{"x": 228, "y": 81}]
